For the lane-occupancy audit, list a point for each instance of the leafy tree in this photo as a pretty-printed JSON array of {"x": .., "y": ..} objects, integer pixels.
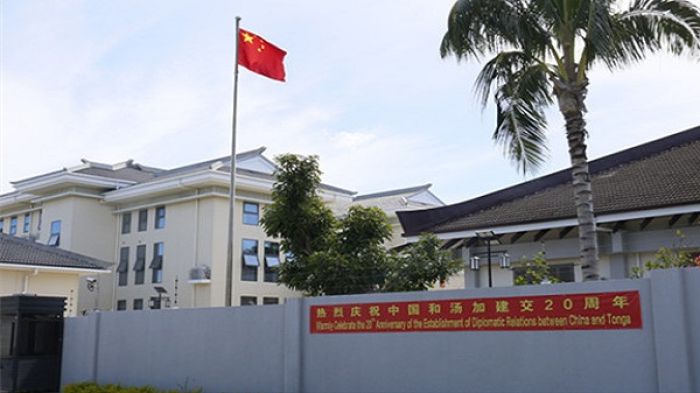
[
  {"x": 536, "y": 272},
  {"x": 543, "y": 50},
  {"x": 331, "y": 256},
  {"x": 666, "y": 258}
]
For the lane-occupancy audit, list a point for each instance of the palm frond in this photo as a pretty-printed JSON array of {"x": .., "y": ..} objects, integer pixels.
[
  {"x": 651, "y": 25},
  {"x": 478, "y": 27},
  {"x": 520, "y": 118}
]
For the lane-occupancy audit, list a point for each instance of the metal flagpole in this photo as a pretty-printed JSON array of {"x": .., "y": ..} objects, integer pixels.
[{"x": 232, "y": 191}]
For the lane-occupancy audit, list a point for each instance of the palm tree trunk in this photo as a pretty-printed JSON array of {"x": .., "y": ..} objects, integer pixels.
[{"x": 571, "y": 98}]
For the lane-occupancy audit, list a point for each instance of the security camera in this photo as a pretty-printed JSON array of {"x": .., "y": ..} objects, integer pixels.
[{"x": 91, "y": 283}]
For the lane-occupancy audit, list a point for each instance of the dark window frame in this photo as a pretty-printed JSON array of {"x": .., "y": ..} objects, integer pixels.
[
  {"x": 157, "y": 263},
  {"x": 270, "y": 300},
  {"x": 140, "y": 265},
  {"x": 249, "y": 300},
  {"x": 251, "y": 216},
  {"x": 159, "y": 222},
  {"x": 121, "y": 305},
  {"x": 123, "y": 268},
  {"x": 138, "y": 304},
  {"x": 13, "y": 225},
  {"x": 272, "y": 261},
  {"x": 249, "y": 260},
  {"x": 126, "y": 223},
  {"x": 55, "y": 235},
  {"x": 143, "y": 220},
  {"x": 27, "y": 224}
]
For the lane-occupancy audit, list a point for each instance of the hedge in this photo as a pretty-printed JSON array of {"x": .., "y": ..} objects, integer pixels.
[{"x": 89, "y": 387}]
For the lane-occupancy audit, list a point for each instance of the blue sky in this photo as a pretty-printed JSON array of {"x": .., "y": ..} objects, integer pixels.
[{"x": 366, "y": 90}]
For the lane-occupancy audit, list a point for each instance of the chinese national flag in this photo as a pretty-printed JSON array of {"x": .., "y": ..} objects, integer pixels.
[{"x": 260, "y": 56}]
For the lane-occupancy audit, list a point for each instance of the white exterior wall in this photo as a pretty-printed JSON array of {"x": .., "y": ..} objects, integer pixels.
[{"x": 41, "y": 282}]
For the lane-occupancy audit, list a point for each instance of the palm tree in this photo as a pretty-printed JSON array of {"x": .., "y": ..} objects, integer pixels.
[{"x": 544, "y": 49}]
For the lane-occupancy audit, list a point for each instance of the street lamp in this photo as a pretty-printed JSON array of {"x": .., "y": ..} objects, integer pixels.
[{"x": 487, "y": 236}]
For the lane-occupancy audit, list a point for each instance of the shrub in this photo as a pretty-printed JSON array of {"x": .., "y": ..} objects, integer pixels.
[{"x": 89, "y": 387}]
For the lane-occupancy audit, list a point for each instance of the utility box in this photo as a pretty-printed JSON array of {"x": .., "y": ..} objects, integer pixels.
[{"x": 31, "y": 335}]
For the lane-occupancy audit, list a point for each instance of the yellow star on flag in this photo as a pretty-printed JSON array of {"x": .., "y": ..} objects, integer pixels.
[{"x": 247, "y": 38}]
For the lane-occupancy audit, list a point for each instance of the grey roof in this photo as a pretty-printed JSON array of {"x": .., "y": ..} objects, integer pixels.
[
  {"x": 402, "y": 191},
  {"x": 134, "y": 173},
  {"x": 657, "y": 174},
  {"x": 205, "y": 164},
  {"x": 19, "y": 251}
]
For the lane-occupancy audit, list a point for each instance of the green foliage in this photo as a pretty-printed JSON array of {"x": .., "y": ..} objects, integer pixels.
[
  {"x": 420, "y": 265},
  {"x": 536, "y": 272},
  {"x": 332, "y": 256},
  {"x": 667, "y": 258},
  {"x": 546, "y": 47},
  {"x": 89, "y": 387}
]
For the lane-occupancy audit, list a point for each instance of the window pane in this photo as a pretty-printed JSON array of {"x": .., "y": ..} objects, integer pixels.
[
  {"x": 271, "y": 300},
  {"x": 250, "y": 246},
  {"x": 138, "y": 304},
  {"x": 251, "y": 260},
  {"x": 126, "y": 223},
  {"x": 56, "y": 227},
  {"x": 121, "y": 305},
  {"x": 140, "y": 264},
  {"x": 27, "y": 223},
  {"x": 271, "y": 261},
  {"x": 160, "y": 217},
  {"x": 249, "y": 300},
  {"x": 250, "y": 213},
  {"x": 143, "y": 220},
  {"x": 13, "y": 225}
]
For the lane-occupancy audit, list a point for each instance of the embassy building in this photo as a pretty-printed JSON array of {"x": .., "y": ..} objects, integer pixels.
[{"x": 164, "y": 231}]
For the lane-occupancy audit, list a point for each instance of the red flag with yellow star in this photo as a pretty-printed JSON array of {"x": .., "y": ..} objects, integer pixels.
[{"x": 260, "y": 56}]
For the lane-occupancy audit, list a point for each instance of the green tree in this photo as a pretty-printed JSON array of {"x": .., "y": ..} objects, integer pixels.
[
  {"x": 543, "y": 50},
  {"x": 331, "y": 256},
  {"x": 536, "y": 272},
  {"x": 666, "y": 258}
]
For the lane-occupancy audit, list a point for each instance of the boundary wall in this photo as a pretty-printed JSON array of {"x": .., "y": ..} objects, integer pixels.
[{"x": 271, "y": 348}]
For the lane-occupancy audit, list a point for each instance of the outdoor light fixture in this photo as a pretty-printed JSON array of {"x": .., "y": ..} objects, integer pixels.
[
  {"x": 474, "y": 263},
  {"x": 505, "y": 261},
  {"x": 489, "y": 237}
]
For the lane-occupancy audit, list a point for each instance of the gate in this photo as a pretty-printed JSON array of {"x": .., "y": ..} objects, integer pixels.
[{"x": 31, "y": 335}]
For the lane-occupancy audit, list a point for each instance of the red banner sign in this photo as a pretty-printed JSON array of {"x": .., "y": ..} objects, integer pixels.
[{"x": 582, "y": 311}]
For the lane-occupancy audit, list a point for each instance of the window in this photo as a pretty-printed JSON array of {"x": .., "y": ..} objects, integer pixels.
[
  {"x": 250, "y": 260},
  {"x": 250, "y": 213},
  {"x": 143, "y": 220},
  {"x": 126, "y": 223},
  {"x": 123, "y": 268},
  {"x": 272, "y": 261},
  {"x": 13, "y": 225},
  {"x": 55, "y": 236},
  {"x": 140, "y": 265},
  {"x": 154, "y": 303},
  {"x": 271, "y": 300},
  {"x": 138, "y": 304},
  {"x": 249, "y": 300},
  {"x": 157, "y": 263},
  {"x": 160, "y": 217},
  {"x": 2, "y": 225},
  {"x": 27, "y": 223},
  {"x": 121, "y": 305},
  {"x": 563, "y": 272}
]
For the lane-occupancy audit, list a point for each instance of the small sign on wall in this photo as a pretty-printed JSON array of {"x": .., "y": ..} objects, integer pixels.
[{"x": 581, "y": 311}]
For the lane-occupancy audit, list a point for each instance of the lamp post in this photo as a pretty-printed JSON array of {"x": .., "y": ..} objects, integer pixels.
[{"x": 488, "y": 237}]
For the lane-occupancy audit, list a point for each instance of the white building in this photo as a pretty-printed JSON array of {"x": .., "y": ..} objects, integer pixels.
[{"x": 166, "y": 230}]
